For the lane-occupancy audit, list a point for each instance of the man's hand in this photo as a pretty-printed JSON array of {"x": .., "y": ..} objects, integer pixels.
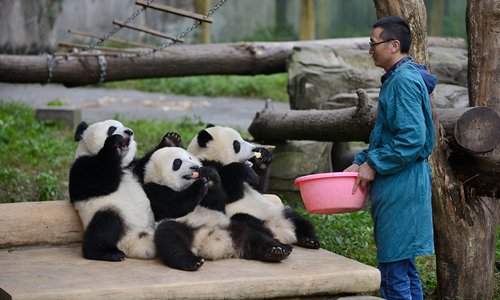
[{"x": 365, "y": 175}]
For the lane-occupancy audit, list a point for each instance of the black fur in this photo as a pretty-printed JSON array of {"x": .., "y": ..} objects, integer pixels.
[
  {"x": 101, "y": 236},
  {"x": 167, "y": 203},
  {"x": 203, "y": 138},
  {"x": 304, "y": 230},
  {"x": 79, "y": 131},
  {"x": 255, "y": 240},
  {"x": 261, "y": 168},
  {"x": 233, "y": 176},
  {"x": 173, "y": 242},
  {"x": 99, "y": 175}
]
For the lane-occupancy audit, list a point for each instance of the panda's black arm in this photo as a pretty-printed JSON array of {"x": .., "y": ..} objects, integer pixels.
[
  {"x": 233, "y": 176},
  {"x": 167, "y": 203},
  {"x": 99, "y": 175},
  {"x": 261, "y": 167}
]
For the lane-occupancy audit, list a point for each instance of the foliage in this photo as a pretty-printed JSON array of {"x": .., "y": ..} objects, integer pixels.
[
  {"x": 30, "y": 150},
  {"x": 260, "y": 86}
]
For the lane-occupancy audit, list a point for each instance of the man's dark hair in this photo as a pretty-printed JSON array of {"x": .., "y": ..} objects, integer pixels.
[{"x": 394, "y": 27}]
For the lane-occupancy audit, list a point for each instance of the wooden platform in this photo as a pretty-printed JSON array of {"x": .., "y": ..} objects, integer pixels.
[{"x": 40, "y": 258}]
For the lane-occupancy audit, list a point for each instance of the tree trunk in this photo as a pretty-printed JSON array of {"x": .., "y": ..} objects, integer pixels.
[
  {"x": 465, "y": 241},
  {"x": 414, "y": 13}
]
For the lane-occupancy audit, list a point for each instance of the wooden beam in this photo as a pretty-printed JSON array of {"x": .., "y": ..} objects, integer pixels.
[
  {"x": 147, "y": 30},
  {"x": 175, "y": 11}
]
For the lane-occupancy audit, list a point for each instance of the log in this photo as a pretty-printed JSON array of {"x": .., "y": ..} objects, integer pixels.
[
  {"x": 178, "y": 60},
  {"x": 472, "y": 130}
]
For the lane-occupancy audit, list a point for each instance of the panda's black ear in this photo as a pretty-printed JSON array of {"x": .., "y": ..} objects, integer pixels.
[
  {"x": 80, "y": 130},
  {"x": 210, "y": 125},
  {"x": 203, "y": 138}
]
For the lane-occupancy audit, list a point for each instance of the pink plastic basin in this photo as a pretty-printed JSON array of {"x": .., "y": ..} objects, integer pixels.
[{"x": 330, "y": 193}]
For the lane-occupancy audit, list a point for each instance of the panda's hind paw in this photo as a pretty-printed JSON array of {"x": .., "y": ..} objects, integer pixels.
[
  {"x": 310, "y": 243},
  {"x": 276, "y": 254},
  {"x": 192, "y": 264},
  {"x": 172, "y": 139}
]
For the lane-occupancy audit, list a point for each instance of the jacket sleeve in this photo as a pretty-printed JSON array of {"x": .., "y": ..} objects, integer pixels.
[{"x": 407, "y": 125}]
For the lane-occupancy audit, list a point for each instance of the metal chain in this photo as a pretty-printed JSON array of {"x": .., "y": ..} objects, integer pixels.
[
  {"x": 185, "y": 32},
  {"x": 103, "y": 66},
  {"x": 50, "y": 67},
  {"x": 117, "y": 28}
]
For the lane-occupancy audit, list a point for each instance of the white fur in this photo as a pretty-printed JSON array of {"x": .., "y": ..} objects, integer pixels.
[
  {"x": 159, "y": 169},
  {"x": 129, "y": 201},
  {"x": 221, "y": 149}
]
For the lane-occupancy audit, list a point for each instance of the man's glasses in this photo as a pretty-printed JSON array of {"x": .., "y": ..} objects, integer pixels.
[{"x": 372, "y": 44}]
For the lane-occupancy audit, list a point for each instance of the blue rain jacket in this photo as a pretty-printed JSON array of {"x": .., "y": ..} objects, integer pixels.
[{"x": 400, "y": 142}]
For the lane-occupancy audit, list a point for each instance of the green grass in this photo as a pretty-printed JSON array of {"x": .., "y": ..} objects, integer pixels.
[
  {"x": 36, "y": 158},
  {"x": 272, "y": 87}
]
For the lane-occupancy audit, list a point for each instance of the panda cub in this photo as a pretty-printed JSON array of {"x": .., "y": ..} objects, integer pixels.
[
  {"x": 115, "y": 211},
  {"x": 224, "y": 149},
  {"x": 190, "y": 227}
]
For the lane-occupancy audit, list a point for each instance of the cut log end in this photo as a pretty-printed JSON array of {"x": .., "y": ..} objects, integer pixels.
[{"x": 477, "y": 130}]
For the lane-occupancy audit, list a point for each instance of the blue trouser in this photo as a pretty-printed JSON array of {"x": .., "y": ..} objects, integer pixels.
[{"x": 400, "y": 280}]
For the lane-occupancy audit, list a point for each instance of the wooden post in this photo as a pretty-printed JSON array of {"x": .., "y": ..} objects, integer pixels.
[
  {"x": 306, "y": 20},
  {"x": 204, "y": 31}
]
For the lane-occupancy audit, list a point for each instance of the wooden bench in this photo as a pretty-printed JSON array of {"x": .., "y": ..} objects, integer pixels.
[{"x": 40, "y": 258}]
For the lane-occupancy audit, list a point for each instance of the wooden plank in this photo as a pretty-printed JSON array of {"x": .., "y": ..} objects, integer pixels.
[
  {"x": 147, "y": 30},
  {"x": 175, "y": 11}
]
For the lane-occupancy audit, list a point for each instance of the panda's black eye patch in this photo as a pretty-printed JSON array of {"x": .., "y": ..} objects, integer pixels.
[
  {"x": 236, "y": 146},
  {"x": 177, "y": 164},
  {"x": 111, "y": 129}
]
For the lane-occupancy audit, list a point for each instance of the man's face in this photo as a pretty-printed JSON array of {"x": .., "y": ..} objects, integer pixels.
[{"x": 381, "y": 50}]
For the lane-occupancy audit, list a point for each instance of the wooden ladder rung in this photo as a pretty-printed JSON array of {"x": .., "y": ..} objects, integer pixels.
[
  {"x": 147, "y": 30},
  {"x": 175, "y": 11},
  {"x": 115, "y": 40}
]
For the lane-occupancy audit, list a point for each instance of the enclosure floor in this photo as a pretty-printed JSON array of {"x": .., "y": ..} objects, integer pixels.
[{"x": 60, "y": 272}]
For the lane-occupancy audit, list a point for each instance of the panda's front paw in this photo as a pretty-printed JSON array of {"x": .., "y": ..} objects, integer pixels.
[
  {"x": 263, "y": 157},
  {"x": 211, "y": 175},
  {"x": 115, "y": 142}
]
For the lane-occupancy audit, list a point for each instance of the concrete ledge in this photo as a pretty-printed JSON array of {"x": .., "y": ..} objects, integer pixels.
[
  {"x": 49, "y": 270},
  {"x": 61, "y": 273}
]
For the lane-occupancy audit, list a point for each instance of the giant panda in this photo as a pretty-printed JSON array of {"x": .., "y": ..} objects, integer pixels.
[
  {"x": 114, "y": 209},
  {"x": 224, "y": 149},
  {"x": 192, "y": 228}
]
